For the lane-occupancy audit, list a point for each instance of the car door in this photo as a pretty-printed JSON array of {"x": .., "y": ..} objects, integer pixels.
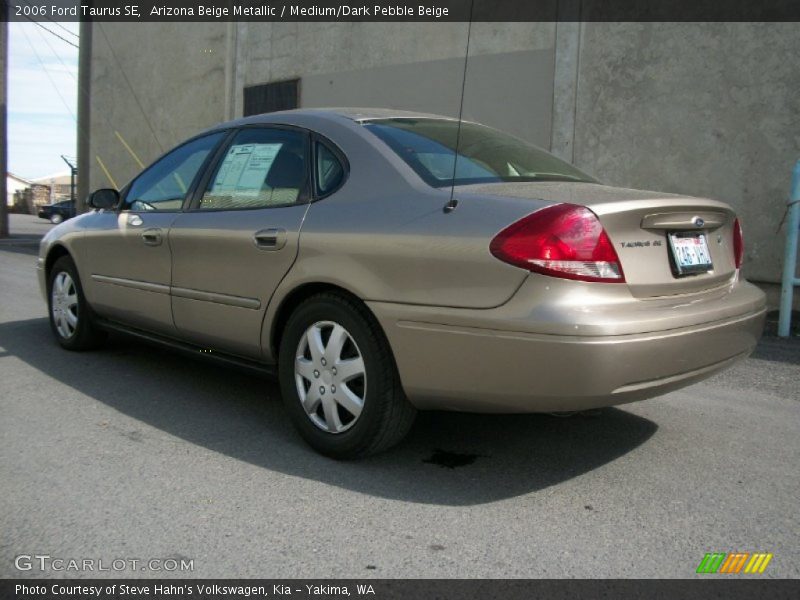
[
  {"x": 127, "y": 251},
  {"x": 239, "y": 238}
]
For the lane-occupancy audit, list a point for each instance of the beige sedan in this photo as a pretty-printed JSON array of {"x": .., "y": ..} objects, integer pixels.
[{"x": 377, "y": 271}]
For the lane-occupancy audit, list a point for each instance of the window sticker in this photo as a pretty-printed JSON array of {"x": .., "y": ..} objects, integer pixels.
[{"x": 245, "y": 167}]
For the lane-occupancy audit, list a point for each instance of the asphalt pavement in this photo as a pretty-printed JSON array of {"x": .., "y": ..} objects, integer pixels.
[{"x": 133, "y": 452}]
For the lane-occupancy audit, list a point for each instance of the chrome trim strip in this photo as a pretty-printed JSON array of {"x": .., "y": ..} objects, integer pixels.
[
  {"x": 238, "y": 301},
  {"x": 146, "y": 286},
  {"x": 684, "y": 220}
]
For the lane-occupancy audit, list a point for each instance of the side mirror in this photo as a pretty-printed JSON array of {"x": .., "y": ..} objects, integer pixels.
[{"x": 104, "y": 198}]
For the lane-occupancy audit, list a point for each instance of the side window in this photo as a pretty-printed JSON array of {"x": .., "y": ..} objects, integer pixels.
[
  {"x": 330, "y": 171},
  {"x": 262, "y": 168},
  {"x": 163, "y": 185}
]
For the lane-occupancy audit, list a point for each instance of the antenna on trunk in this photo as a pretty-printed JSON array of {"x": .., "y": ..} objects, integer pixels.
[{"x": 452, "y": 203}]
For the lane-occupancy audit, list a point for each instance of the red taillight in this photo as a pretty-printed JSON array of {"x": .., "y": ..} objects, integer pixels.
[
  {"x": 565, "y": 241},
  {"x": 738, "y": 244}
]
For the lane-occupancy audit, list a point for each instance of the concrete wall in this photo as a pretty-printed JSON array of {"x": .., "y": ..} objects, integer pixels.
[{"x": 704, "y": 109}]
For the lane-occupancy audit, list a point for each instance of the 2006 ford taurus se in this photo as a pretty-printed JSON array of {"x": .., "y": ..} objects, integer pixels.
[{"x": 329, "y": 246}]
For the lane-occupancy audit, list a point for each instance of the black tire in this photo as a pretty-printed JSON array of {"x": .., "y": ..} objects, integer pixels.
[
  {"x": 386, "y": 415},
  {"x": 86, "y": 334},
  {"x": 56, "y": 218}
]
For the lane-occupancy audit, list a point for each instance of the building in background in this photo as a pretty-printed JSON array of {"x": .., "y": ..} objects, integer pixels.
[
  {"x": 14, "y": 185},
  {"x": 59, "y": 185},
  {"x": 707, "y": 109},
  {"x": 27, "y": 195}
]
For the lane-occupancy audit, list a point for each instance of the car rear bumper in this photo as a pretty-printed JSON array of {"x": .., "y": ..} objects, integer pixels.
[{"x": 456, "y": 366}]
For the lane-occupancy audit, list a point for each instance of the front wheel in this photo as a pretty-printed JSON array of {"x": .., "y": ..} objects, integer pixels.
[
  {"x": 56, "y": 218},
  {"x": 71, "y": 318},
  {"x": 339, "y": 381}
]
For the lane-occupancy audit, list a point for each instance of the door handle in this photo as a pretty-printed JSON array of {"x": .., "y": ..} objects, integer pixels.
[
  {"x": 152, "y": 236},
  {"x": 270, "y": 239}
]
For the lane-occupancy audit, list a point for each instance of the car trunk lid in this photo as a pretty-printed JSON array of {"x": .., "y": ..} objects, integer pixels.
[{"x": 648, "y": 230}]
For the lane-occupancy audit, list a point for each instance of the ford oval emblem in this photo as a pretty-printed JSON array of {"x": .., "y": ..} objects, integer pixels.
[{"x": 698, "y": 222}]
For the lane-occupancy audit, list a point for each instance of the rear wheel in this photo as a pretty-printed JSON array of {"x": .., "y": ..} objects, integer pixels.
[
  {"x": 339, "y": 381},
  {"x": 71, "y": 317}
]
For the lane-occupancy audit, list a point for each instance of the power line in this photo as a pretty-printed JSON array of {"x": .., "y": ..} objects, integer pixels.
[
  {"x": 51, "y": 32},
  {"x": 56, "y": 23},
  {"x": 46, "y": 72},
  {"x": 67, "y": 69},
  {"x": 60, "y": 26}
]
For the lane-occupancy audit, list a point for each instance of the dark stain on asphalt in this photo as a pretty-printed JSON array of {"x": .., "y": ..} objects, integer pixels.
[
  {"x": 436, "y": 547},
  {"x": 451, "y": 460}
]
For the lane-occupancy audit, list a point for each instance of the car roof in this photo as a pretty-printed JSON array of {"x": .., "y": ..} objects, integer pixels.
[
  {"x": 356, "y": 115},
  {"x": 369, "y": 114}
]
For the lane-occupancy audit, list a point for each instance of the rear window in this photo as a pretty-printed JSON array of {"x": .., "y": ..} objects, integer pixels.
[{"x": 485, "y": 155}]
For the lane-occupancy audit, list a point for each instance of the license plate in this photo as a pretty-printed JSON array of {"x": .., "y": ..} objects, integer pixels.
[{"x": 690, "y": 251}]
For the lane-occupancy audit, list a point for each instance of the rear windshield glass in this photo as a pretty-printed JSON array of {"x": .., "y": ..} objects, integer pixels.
[{"x": 485, "y": 155}]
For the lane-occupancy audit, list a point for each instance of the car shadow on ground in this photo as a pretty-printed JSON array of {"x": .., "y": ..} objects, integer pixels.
[{"x": 448, "y": 458}]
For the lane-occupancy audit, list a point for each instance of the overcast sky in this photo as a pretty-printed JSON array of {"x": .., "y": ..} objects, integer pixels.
[{"x": 41, "y": 126}]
